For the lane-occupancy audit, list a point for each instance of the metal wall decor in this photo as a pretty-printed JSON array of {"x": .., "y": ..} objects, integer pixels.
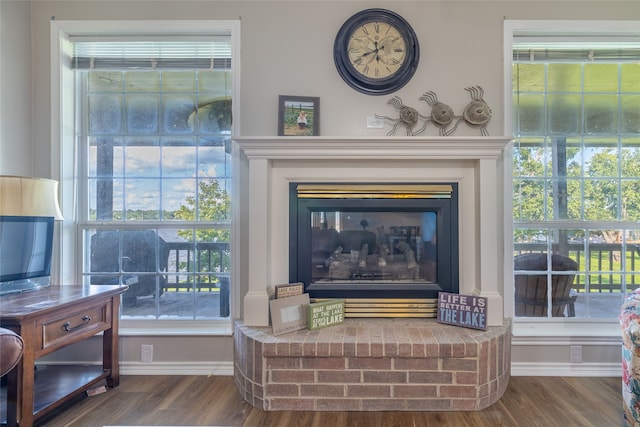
[{"x": 476, "y": 113}]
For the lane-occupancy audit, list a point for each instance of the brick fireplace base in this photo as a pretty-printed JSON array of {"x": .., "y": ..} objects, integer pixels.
[{"x": 373, "y": 365}]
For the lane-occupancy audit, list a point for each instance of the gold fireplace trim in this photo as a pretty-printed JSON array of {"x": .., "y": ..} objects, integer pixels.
[
  {"x": 388, "y": 307},
  {"x": 374, "y": 191}
]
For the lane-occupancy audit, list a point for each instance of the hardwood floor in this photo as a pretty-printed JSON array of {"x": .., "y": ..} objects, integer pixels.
[{"x": 215, "y": 401}]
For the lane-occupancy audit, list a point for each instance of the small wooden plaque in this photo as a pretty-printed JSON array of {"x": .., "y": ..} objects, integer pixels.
[
  {"x": 462, "y": 310},
  {"x": 289, "y": 290},
  {"x": 326, "y": 313}
]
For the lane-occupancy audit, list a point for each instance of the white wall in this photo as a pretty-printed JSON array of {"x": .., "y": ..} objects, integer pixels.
[
  {"x": 287, "y": 50},
  {"x": 16, "y": 144}
]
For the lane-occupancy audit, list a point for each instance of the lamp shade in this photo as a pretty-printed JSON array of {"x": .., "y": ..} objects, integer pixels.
[{"x": 28, "y": 196}]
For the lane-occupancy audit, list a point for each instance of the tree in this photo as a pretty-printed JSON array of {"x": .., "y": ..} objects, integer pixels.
[{"x": 211, "y": 204}]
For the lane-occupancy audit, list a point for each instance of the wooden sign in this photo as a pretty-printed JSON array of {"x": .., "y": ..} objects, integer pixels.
[
  {"x": 289, "y": 290},
  {"x": 325, "y": 313},
  {"x": 462, "y": 310},
  {"x": 289, "y": 314}
]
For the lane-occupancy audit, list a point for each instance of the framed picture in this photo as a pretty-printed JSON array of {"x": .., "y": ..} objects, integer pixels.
[
  {"x": 289, "y": 314},
  {"x": 298, "y": 115}
]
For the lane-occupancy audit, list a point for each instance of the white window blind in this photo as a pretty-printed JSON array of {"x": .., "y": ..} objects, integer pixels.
[
  {"x": 125, "y": 53},
  {"x": 538, "y": 49}
]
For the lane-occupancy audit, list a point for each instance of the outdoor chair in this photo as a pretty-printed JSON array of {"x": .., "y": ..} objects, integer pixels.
[
  {"x": 531, "y": 289},
  {"x": 138, "y": 258}
]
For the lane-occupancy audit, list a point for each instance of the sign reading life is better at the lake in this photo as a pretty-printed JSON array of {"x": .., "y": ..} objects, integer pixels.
[
  {"x": 326, "y": 313},
  {"x": 462, "y": 310}
]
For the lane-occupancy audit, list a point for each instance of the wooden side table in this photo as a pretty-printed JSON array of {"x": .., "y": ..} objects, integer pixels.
[{"x": 48, "y": 320}]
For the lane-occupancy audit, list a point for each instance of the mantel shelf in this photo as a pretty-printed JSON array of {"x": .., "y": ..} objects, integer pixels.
[{"x": 389, "y": 147}]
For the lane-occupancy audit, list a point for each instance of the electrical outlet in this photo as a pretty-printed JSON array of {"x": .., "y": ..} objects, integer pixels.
[
  {"x": 575, "y": 355},
  {"x": 146, "y": 353}
]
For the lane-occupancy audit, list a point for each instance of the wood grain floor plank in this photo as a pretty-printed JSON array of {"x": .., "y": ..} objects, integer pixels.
[{"x": 215, "y": 401}]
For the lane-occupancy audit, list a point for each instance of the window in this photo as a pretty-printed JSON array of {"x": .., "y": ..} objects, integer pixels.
[
  {"x": 576, "y": 170},
  {"x": 153, "y": 122}
]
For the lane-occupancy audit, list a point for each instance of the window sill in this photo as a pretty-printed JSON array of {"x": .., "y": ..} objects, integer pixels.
[
  {"x": 129, "y": 327},
  {"x": 558, "y": 328}
]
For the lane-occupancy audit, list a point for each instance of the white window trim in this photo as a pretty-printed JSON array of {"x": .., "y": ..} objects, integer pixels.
[
  {"x": 63, "y": 156},
  {"x": 547, "y": 327}
]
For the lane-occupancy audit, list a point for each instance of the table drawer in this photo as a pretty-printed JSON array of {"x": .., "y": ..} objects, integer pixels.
[{"x": 64, "y": 330}]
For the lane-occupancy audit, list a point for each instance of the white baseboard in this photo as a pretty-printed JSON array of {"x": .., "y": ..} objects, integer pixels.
[
  {"x": 177, "y": 368},
  {"x": 526, "y": 369}
]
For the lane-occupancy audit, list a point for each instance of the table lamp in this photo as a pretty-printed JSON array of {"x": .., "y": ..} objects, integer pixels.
[{"x": 29, "y": 196}]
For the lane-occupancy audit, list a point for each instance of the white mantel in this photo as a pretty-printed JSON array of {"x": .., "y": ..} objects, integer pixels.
[{"x": 268, "y": 164}]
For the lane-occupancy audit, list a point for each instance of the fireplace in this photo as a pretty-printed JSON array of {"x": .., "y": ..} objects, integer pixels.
[
  {"x": 393, "y": 245},
  {"x": 400, "y": 364},
  {"x": 268, "y": 166}
]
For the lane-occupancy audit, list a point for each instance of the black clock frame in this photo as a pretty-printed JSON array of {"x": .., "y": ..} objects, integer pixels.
[{"x": 369, "y": 85}]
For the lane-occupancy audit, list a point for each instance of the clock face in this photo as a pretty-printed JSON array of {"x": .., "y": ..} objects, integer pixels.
[{"x": 376, "y": 52}]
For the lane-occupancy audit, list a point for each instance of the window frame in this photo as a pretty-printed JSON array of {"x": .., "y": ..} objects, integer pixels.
[
  {"x": 64, "y": 160},
  {"x": 547, "y": 327}
]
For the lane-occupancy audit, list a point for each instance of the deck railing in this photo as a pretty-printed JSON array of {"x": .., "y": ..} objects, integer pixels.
[
  {"x": 605, "y": 269},
  {"x": 203, "y": 267}
]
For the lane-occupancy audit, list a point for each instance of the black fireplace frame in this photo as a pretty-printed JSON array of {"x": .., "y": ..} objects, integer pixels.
[{"x": 447, "y": 245}]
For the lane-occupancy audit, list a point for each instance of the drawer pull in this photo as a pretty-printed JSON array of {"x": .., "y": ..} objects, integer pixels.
[{"x": 67, "y": 326}]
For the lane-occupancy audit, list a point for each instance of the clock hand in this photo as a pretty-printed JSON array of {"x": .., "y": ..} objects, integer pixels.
[{"x": 375, "y": 44}]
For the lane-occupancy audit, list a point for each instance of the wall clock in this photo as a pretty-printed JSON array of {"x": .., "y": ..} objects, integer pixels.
[{"x": 376, "y": 51}]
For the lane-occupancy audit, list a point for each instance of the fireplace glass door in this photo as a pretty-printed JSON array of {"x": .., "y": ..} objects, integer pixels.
[{"x": 373, "y": 243}]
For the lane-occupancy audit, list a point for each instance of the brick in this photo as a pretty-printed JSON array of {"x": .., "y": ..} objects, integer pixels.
[
  {"x": 464, "y": 405},
  {"x": 336, "y": 349},
  {"x": 340, "y": 377},
  {"x": 295, "y": 349},
  {"x": 322, "y": 390},
  {"x": 322, "y": 349},
  {"x": 484, "y": 390},
  {"x": 383, "y": 405},
  {"x": 276, "y": 404},
  {"x": 369, "y": 363},
  {"x": 471, "y": 349},
  {"x": 445, "y": 350},
  {"x": 405, "y": 364},
  {"x": 338, "y": 404},
  {"x": 430, "y": 377},
  {"x": 391, "y": 349},
  {"x": 386, "y": 377},
  {"x": 415, "y": 391},
  {"x": 466, "y": 378},
  {"x": 432, "y": 350},
  {"x": 324, "y": 363},
  {"x": 283, "y": 363},
  {"x": 377, "y": 349},
  {"x": 363, "y": 349},
  {"x": 309, "y": 349},
  {"x": 293, "y": 376},
  {"x": 282, "y": 390},
  {"x": 460, "y": 364},
  {"x": 458, "y": 350},
  {"x": 282, "y": 349},
  {"x": 483, "y": 363},
  {"x": 269, "y": 350},
  {"x": 404, "y": 349},
  {"x": 349, "y": 349},
  {"x": 428, "y": 405},
  {"x": 356, "y": 390},
  {"x": 257, "y": 389},
  {"x": 458, "y": 391}
]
